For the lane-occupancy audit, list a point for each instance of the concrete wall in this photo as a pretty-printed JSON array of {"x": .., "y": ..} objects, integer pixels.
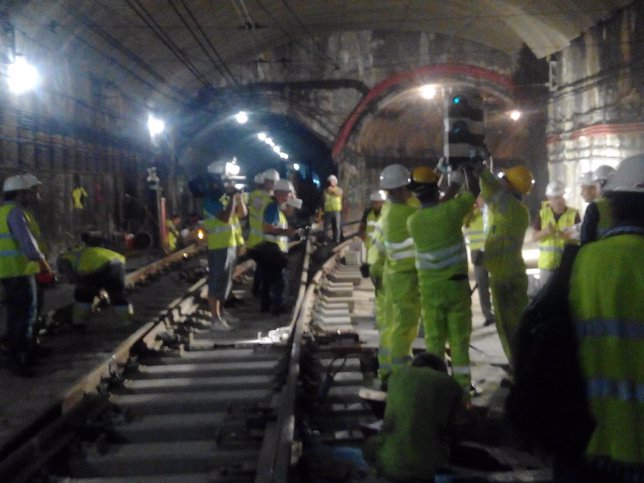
[{"x": 595, "y": 111}]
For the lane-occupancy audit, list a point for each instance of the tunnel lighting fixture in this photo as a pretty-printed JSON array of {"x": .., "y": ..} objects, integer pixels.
[
  {"x": 241, "y": 117},
  {"x": 277, "y": 149},
  {"x": 155, "y": 125},
  {"x": 428, "y": 91},
  {"x": 515, "y": 115},
  {"x": 21, "y": 75},
  {"x": 269, "y": 141},
  {"x": 261, "y": 136},
  {"x": 283, "y": 155},
  {"x": 239, "y": 186},
  {"x": 296, "y": 166},
  {"x": 232, "y": 168}
]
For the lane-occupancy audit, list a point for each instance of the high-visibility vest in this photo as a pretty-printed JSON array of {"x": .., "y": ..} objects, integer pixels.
[
  {"x": 237, "y": 229},
  {"x": 551, "y": 248},
  {"x": 475, "y": 230},
  {"x": 86, "y": 260},
  {"x": 13, "y": 263},
  {"x": 605, "y": 217},
  {"x": 258, "y": 200},
  {"x": 220, "y": 234},
  {"x": 332, "y": 202},
  {"x": 398, "y": 243},
  {"x": 372, "y": 219},
  {"x": 608, "y": 310},
  {"x": 280, "y": 240},
  {"x": 508, "y": 219},
  {"x": 438, "y": 238}
]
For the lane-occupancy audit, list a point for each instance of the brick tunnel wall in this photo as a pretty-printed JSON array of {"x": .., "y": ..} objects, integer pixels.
[{"x": 595, "y": 108}]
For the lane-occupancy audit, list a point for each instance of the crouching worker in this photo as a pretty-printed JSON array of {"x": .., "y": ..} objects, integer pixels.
[
  {"x": 425, "y": 414},
  {"x": 93, "y": 268}
]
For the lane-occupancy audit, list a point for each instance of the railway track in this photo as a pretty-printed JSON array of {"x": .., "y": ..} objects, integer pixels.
[{"x": 179, "y": 402}]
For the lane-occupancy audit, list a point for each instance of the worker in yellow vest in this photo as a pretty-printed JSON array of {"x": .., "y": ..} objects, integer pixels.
[
  {"x": 400, "y": 280},
  {"x": 257, "y": 202},
  {"x": 509, "y": 219},
  {"x": 474, "y": 226},
  {"x": 553, "y": 229},
  {"x": 20, "y": 260},
  {"x": 441, "y": 262},
  {"x": 93, "y": 269},
  {"x": 608, "y": 309},
  {"x": 598, "y": 218},
  {"x": 333, "y": 209},
  {"x": 222, "y": 247},
  {"x": 173, "y": 227},
  {"x": 272, "y": 264}
]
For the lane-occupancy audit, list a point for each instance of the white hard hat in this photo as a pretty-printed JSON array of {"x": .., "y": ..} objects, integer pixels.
[
  {"x": 283, "y": 185},
  {"x": 602, "y": 173},
  {"x": 378, "y": 196},
  {"x": 20, "y": 182},
  {"x": 332, "y": 177},
  {"x": 555, "y": 188},
  {"x": 295, "y": 203},
  {"x": 217, "y": 167},
  {"x": 629, "y": 176},
  {"x": 394, "y": 176},
  {"x": 271, "y": 175},
  {"x": 259, "y": 178},
  {"x": 586, "y": 179}
]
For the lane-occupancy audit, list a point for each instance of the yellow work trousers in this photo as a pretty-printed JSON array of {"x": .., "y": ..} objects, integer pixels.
[
  {"x": 400, "y": 325},
  {"x": 447, "y": 317},
  {"x": 510, "y": 299}
]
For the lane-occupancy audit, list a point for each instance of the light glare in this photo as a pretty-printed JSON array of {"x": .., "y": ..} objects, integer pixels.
[
  {"x": 22, "y": 76},
  {"x": 155, "y": 125},
  {"x": 296, "y": 166},
  {"x": 241, "y": 117},
  {"x": 515, "y": 115},
  {"x": 261, "y": 136},
  {"x": 428, "y": 91}
]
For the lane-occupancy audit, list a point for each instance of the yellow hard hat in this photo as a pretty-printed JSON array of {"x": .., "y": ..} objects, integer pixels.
[
  {"x": 520, "y": 178},
  {"x": 424, "y": 175}
]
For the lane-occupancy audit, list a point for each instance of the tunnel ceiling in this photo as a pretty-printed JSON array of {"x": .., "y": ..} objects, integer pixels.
[{"x": 173, "y": 49}]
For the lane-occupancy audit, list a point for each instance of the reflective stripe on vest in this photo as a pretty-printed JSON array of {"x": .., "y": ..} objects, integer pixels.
[
  {"x": 281, "y": 240},
  {"x": 13, "y": 262},
  {"x": 440, "y": 259},
  {"x": 475, "y": 233},
  {"x": 401, "y": 250},
  {"x": 551, "y": 248},
  {"x": 372, "y": 221}
]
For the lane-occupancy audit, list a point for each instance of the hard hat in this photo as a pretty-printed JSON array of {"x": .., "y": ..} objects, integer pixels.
[
  {"x": 271, "y": 175},
  {"x": 378, "y": 196},
  {"x": 586, "y": 179},
  {"x": 602, "y": 173},
  {"x": 520, "y": 178},
  {"x": 424, "y": 175},
  {"x": 555, "y": 188},
  {"x": 295, "y": 203},
  {"x": 332, "y": 177},
  {"x": 259, "y": 178},
  {"x": 394, "y": 176},
  {"x": 217, "y": 167},
  {"x": 20, "y": 182},
  {"x": 283, "y": 185},
  {"x": 629, "y": 176}
]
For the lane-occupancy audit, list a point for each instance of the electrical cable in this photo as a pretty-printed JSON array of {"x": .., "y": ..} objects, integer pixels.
[{"x": 210, "y": 44}]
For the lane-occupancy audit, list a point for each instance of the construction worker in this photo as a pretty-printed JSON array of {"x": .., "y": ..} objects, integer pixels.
[
  {"x": 368, "y": 231},
  {"x": 222, "y": 245},
  {"x": 20, "y": 260},
  {"x": 258, "y": 200},
  {"x": 588, "y": 188},
  {"x": 441, "y": 261},
  {"x": 475, "y": 229},
  {"x": 608, "y": 309},
  {"x": 509, "y": 219},
  {"x": 425, "y": 414},
  {"x": 273, "y": 259},
  {"x": 598, "y": 216},
  {"x": 554, "y": 227},
  {"x": 333, "y": 208},
  {"x": 400, "y": 281},
  {"x": 172, "y": 226},
  {"x": 93, "y": 269}
]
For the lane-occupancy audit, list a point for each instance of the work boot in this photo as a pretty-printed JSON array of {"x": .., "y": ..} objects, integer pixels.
[
  {"x": 229, "y": 317},
  {"x": 220, "y": 324},
  {"x": 489, "y": 322}
]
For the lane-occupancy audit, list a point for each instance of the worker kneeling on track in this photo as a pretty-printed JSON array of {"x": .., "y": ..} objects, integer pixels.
[
  {"x": 93, "y": 269},
  {"x": 441, "y": 261}
]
